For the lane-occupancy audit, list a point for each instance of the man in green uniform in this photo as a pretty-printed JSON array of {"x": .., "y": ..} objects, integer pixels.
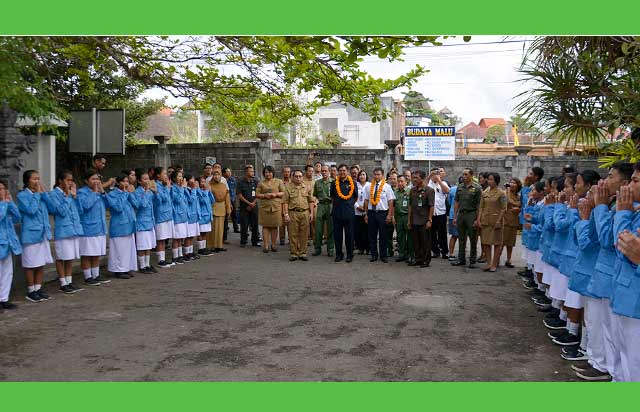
[
  {"x": 322, "y": 193},
  {"x": 393, "y": 182},
  {"x": 467, "y": 202},
  {"x": 401, "y": 211}
]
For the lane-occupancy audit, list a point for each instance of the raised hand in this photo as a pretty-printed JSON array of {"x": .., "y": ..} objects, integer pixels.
[
  {"x": 584, "y": 209},
  {"x": 601, "y": 194},
  {"x": 573, "y": 201},
  {"x": 624, "y": 198}
]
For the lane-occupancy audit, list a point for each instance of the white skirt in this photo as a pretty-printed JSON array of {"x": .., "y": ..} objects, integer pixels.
[
  {"x": 525, "y": 254},
  {"x": 547, "y": 277},
  {"x": 93, "y": 245},
  {"x": 6, "y": 277},
  {"x": 164, "y": 230},
  {"x": 122, "y": 254},
  {"x": 537, "y": 262},
  {"x": 67, "y": 249},
  {"x": 573, "y": 300},
  {"x": 180, "y": 231},
  {"x": 36, "y": 255},
  {"x": 192, "y": 229},
  {"x": 146, "y": 240},
  {"x": 204, "y": 228},
  {"x": 559, "y": 285}
]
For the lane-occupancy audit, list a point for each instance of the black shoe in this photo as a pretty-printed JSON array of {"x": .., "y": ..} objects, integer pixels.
[
  {"x": 67, "y": 289},
  {"x": 349, "y": 259},
  {"x": 179, "y": 260},
  {"x": 43, "y": 294},
  {"x": 144, "y": 271},
  {"x": 282, "y": 243},
  {"x": 574, "y": 356},
  {"x": 571, "y": 349},
  {"x": 481, "y": 261},
  {"x": 594, "y": 375},
  {"x": 545, "y": 308},
  {"x": 195, "y": 256},
  {"x": 152, "y": 269},
  {"x": 338, "y": 259},
  {"x": 553, "y": 314},
  {"x": 203, "y": 252},
  {"x": 530, "y": 285},
  {"x": 8, "y": 306},
  {"x": 74, "y": 287},
  {"x": 186, "y": 258},
  {"x": 303, "y": 258},
  {"x": 472, "y": 266},
  {"x": 424, "y": 265},
  {"x": 122, "y": 275},
  {"x": 555, "y": 324},
  {"x": 316, "y": 253},
  {"x": 373, "y": 259},
  {"x": 555, "y": 334},
  {"x": 523, "y": 271},
  {"x": 435, "y": 255},
  {"x": 413, "y": 263},
  {"x": 35, "y": 297},
  {"x": 401, "y": 259},
  {"x": 163, "y": 264},
  {"x": 91, "y": 282},
  {"x": 567, "y": 340},
  {"x": 542, "y": 300},
  {"x": 384, "y": 259},
  {"x": 293, "y": 258},
  {"x": 445, "y": 257},
  {"x": 459, "y": 263},
  {"x": 256, "y": 244},
  {"x": 103, "y": 280}
]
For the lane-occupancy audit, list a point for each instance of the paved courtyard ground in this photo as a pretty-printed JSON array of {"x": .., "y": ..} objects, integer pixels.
[{"x": 248, "y": 316}]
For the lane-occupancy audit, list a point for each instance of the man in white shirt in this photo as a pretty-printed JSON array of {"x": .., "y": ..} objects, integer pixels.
[
  {"x": 379, "y": 213},
  {"x": 439, "y": 244}
]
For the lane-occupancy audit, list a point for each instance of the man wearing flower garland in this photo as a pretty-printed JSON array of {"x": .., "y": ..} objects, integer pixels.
[
  {"x": 343, "y": 197},
  {"x": 378, "y": 201},
  {"x": 322, "y": 194}
]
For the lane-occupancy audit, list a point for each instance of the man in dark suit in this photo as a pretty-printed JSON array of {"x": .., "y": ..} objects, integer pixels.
[{"x": 343, "y": 212}]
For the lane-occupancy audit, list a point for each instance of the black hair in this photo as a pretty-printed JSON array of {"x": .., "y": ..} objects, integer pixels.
[
  {"x": 496, "y": 177},
  {"x": 365, "y": 174},
  {"x": 87, "y": 175},
  {"x": 351, "y": 168},
  {"x": 121, "y": 177},
  {"x": 139, "y": 172},
  {"x": 378, "y": 169},
  {"x": 174, "y": 176},
  {"x": 247, "y": 167},
  {"x": 307, "y": 167},
  {"x": 568, "y": 169},
  {"x": 296, "y": 171},
  {"x": 3, "y": 183},
  {"x": 570, "y": 176},
  {"x": 518, "y": 184},
  {"x": 158, "y": 170},
  {"x": 485, "y": 175},
  {"x": 176, "y": 167},
  {"x": 539, "y": 186},
  {"x": 460, "y": 181},
  {"x": 560, "y": 183},
  {"x": 98, "y": 157},
  {"x": 127, "y": 171},
  {"x": 590, "y": 177},
  {"x": 636, "y": 166},
  {"x": 470, "y": 170},
  {"x": 206, "y": 164},
  {"x": 317, "y": 163},
  {"x": 268, "y": 168},
  {"x": 434, "y": 169},
  {"x": 188, "y": 177},
  {"x": 216, "y": 164},
  {"x": 225, "y": 170},
  {"x": 420, "y": 173},
  {"x": 538, "y": 172},
  {"x": 26, "y": 176},
  {"x": 61, "y": 176},
  {"x": 624, "y": 168}
]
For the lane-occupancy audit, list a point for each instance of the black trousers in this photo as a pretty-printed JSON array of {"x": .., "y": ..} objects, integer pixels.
[
  {"x": 340, "y": 227},
  {"x": 439, "y": 244},
  {"x": 234, "y": 216},
  {"x": 361, "y": 234},
  {"x": 249, "y": 219},
  {"x": 377, "y": 232},
  {"x": 421, "y": 243}
]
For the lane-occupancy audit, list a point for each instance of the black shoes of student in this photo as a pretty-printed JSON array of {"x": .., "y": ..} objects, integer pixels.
[
  {"x": 163, "y": 264},
  {"x": 179, "y": 260},
  {"x": 373, "y": 259},
  {"x": 8, "y": 306},
  {"x": 349, "y": 259},
  {"x": 91, "y": 282},
  {"x": 121, "y": 275},
  {"x": 35, "y": 297},
  {"x": 554, "y": 324},
  {"x": 43, "y": 294},
  {"x": 338, "y": 259},
  {"x": 67, "y": 289},
  {"x": 459, "y": 263}
]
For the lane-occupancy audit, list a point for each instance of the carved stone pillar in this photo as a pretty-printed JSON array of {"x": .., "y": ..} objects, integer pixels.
[{"x": 13, "y": 145}]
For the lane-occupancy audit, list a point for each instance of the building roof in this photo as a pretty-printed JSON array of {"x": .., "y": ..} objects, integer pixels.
[
  {"x": 166, "y": 111},
  {"x": 467, "y": 126},
  {"x": 487, "y": 122},
  {"x": 445, "y": 110}
]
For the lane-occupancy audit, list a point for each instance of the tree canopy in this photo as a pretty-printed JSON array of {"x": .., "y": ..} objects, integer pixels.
[{"x": 250, "y": 79}]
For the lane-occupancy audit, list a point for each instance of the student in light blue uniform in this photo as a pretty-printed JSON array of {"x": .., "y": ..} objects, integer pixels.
[
  {"x": 92, "y": 202},
  {"x": 145, "y": 230},
  {"x": 534, "y": 176},
  {"x": 625, "y": 297},
  {"x": 601, "y": 282},
  {"x": 546, "y": 240},
  {"x": 9, "y": 244},
  {"x": 451, "y": 228},
  {"x": 179, "y": 202},
  {"x": 62, "y": 204},
  {"x": 122, "y": 228},
  {"x": 36, "y": 234},
  {"x": 193, "y": 206},
  {"x": 534, "y": 226},
  {"x": 163, "y": 215},
  {"x": 205, "y": 216}
]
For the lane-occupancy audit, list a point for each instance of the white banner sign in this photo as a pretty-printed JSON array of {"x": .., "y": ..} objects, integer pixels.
[{"x": 430, "y": 143}]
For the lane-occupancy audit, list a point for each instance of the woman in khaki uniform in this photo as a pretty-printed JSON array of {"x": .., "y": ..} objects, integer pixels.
[
  {"x": 221, "y": 209},
  {"x": 511, "y": 218},
  {"x": 493, "y": 205},
  {"x": 270, "y": 191}
]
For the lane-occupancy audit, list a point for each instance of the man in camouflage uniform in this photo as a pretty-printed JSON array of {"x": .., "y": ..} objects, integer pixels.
[{"x": 324, "y": 224}]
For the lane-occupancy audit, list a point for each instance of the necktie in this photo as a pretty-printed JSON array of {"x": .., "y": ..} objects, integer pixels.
[{"x": 375, "y": 191}]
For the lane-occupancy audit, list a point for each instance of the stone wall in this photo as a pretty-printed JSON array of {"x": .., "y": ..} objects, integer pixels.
[{"x": 259, "y": 154}]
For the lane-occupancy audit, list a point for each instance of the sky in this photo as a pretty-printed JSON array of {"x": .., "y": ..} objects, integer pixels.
[{"x": 474, "y": 79}]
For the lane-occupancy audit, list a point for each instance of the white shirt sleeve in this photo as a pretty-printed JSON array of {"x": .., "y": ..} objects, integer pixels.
[
  {"x": 390, "y": 194},
  {"x": 366, "y": 189}
]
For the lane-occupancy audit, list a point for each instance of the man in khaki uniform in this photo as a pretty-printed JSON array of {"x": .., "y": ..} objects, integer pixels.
[
  {"x": 286, "y": 179},
  {"x": 308, "y": 181},
  {"x": 298, "y": 212}
]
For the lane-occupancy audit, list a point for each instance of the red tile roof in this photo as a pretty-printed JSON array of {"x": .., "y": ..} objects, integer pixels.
[{"x": 491, "y": 121}]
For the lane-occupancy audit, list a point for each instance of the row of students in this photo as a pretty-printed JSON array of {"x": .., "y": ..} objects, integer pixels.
[
  {"x": 144, "y": 215},
  {"x": 580, "y": 238}
]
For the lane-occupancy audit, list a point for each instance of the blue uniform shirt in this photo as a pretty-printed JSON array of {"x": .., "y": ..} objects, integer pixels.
[
  {"x": 548, "y": 233},
  {"x": 144, "y": 209},
  {"x": 193, "y": 205},
  {"x": 64, "y": 209},
  {"x": 602, "y": 279},
  {"x": 564, "y": 248},
  {"x": 179, "y": 201},
  {"x": 162, "y": 204},
  {"x": 524, "y": 200},
  {"x": 35, "y": 217},
  {"x": 452, "y": 195},
  {"x": 537, "y": 225},
  {"x": 9, "y": 242},
  {"x": 92, "y": 209},
  {"x": 625, "y": 296},
  {"x": 588, "y": 249},
  {"x": 206, "y": 200},
  {"x": 123, "y": 217}
]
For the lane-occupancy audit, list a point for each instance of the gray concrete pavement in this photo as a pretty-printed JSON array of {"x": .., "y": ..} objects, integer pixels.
[{"x": 245, "y": 315}]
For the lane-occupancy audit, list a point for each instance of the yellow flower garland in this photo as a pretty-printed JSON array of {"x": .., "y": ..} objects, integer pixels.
[
  {"x": 351, "y": 188},
  {"x": 375, "y": 197}
]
